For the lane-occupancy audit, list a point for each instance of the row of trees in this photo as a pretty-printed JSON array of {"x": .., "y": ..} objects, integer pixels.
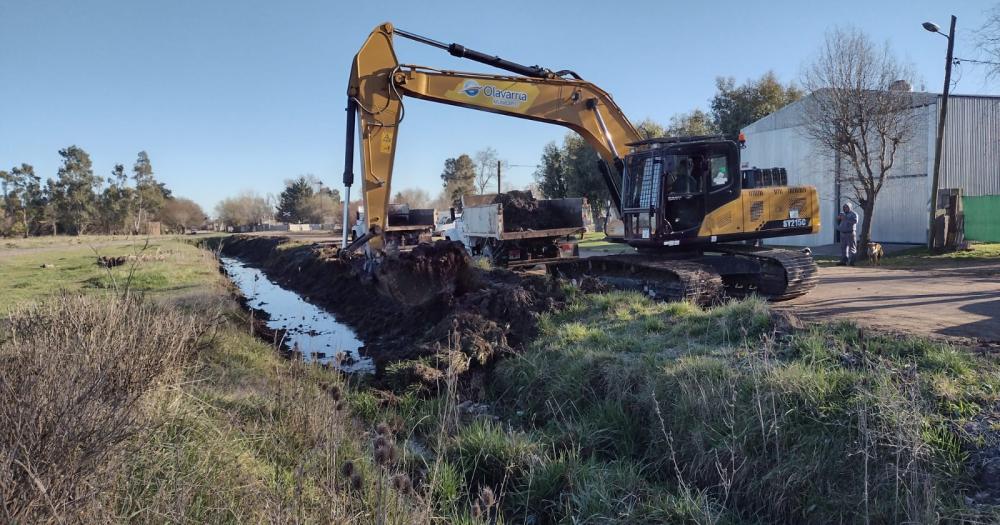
[
  {"x": 77, "y": 201},
  {"x": 732, "y": 107},
  {"x": 247, "y": 208},
  {"x": 464, "y": 175},
  {"x": 304, "y": 200}
]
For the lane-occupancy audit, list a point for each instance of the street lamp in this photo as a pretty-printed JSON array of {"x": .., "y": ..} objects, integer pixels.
[{"x": 934, "y": 28}]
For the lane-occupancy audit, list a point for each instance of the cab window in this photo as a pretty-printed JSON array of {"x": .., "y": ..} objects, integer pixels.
[{"x": 719, "y": 172}]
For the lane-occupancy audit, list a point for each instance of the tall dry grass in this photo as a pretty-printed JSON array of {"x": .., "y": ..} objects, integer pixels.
[{"x": 73, "y": 373}]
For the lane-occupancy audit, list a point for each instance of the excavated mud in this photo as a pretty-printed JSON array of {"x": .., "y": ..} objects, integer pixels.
[
  {"x": 417, "y": 313},
  {"x": 522, "y": 212}
]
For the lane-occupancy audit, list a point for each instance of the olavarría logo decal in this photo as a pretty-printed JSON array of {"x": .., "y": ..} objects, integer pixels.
[{"x": 498, "y": 96}]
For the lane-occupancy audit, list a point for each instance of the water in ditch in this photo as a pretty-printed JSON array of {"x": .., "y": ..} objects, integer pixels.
[{"x": 309, "y": 329}]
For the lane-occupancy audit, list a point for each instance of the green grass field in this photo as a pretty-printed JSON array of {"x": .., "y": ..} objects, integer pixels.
[
  {"x": 40, "y": 267},
  {"x": 595, "y": 242}
]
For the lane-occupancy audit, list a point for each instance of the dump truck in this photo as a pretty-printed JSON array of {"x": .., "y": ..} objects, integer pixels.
[
  {"x": 514, "y": 229},
  {"x": 406, "y": 226}
]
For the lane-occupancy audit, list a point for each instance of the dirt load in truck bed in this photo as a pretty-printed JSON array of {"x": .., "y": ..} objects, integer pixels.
[{"x": 522, "y": 212}]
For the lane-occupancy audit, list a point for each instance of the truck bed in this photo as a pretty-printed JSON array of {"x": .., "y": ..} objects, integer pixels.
[{"x": 561, "y": 217}]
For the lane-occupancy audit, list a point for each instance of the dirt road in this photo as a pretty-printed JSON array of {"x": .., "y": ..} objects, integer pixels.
[{"x": 954, "y": 302}]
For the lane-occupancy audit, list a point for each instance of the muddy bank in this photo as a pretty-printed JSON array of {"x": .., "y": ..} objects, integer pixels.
[{"x": 417, "y": 313}]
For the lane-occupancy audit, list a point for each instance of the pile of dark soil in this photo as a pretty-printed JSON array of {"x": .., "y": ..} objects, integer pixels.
[
  {"x": 418, "y": 312},
  {"x": 522, "y": 212},
  {"x": 419, "y": 276}
]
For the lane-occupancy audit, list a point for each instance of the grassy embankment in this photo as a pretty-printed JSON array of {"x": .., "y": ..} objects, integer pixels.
[
  {"x": 626, "y": 410},
  {"x": 167, "y": 409},
  {"x": 623, "y": 410}
]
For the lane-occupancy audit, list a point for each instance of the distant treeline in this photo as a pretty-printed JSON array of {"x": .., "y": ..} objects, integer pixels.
[{"x": 78, "y": 202}]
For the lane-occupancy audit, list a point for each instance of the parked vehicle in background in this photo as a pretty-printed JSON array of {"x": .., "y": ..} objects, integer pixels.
[
  {"x": 406, "y": 226},
  {"x": 514, "y": 229},
  {"x": 446, "y": 222}
]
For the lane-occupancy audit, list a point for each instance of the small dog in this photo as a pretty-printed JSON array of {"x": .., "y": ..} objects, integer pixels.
[{"x": 875, "y": 253}]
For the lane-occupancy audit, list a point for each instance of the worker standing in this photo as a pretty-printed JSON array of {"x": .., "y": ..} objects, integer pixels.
[{"x": 848, "y": 227}]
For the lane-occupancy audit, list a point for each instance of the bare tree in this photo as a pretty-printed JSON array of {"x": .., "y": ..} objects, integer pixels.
[
  {"x": 246, "y": 209},
  {"x": 988, "y": 41},
  {"x": 853, "y": 111},
  {"x": 486, "y": 168},
  {"x": 414, "y": 197}
]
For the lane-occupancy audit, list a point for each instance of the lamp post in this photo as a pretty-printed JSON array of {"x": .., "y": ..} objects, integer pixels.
[{"x": 933, "y": 28}]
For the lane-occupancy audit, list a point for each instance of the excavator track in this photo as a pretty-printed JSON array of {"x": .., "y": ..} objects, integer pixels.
[
  {"x": 658, "y": 277},
  {"x": 779, "y": 275},
  {"x": 775, "y": 274}
]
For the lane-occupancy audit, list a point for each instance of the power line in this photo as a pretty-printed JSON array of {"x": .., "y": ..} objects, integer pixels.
[{"x": 958, "y": 61}]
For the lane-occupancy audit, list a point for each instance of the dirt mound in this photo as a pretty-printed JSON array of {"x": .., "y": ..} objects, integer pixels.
[
  {"x": 418, "y": 312},
  {"x": 522, "y": 212},
  {"x": 419, "y": 276}
]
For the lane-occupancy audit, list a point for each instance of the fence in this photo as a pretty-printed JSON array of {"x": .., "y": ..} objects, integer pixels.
[{"x": 982, "y": 218}]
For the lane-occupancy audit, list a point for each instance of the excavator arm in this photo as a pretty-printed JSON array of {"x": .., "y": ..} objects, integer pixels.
[{"x": 379, "y": 84}]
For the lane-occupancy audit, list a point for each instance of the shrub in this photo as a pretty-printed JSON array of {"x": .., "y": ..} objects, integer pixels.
[{"x": 73, "y": 371}]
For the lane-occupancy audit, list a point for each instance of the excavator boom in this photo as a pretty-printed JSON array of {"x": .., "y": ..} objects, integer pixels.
[{"x": 378, "y": 85}]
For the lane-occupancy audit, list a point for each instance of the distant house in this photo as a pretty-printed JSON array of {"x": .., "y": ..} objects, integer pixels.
[{"x": 970, "y": 161}]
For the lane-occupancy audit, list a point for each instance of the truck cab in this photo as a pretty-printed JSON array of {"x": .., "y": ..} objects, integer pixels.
[{"x": 359, "y": 228}]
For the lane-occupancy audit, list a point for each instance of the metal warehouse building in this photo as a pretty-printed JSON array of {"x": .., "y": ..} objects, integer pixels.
[{"x": 970, "y": 161}]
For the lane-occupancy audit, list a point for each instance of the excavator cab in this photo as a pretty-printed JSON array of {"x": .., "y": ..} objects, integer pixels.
[{"x": 671, "y": 184}]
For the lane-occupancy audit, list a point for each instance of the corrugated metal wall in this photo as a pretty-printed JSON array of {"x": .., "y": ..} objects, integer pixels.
[
  {"x": 901, "y": 211},
  {"x": 971, "y": 154},
  {"x": 903, "y": 205}
]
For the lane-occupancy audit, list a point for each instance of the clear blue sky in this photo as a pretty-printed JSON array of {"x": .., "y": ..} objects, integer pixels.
[{"x": 233, "y": 95}]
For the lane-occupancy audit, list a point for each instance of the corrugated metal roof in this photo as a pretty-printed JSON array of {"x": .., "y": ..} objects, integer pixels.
[{"x": 793, "y": 114}]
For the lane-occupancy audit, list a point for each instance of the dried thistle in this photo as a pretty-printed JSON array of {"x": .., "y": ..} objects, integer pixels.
[
  {"x": 402, "y": 483},
  {"x": 356, "y": 481},
  {"x": 347, "y": 469},
  {"x": 381, "y": 455}
]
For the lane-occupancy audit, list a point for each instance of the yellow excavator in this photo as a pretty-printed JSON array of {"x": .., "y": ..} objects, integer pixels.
[{"x": 682, "y": 202}]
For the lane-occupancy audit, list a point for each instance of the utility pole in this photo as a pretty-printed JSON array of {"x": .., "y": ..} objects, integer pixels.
[
  {"x": 940, "y": 131},
  {"x": 498, "y": 177}
]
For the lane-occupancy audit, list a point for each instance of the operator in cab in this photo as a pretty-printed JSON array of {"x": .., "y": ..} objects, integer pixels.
[{"x": 684, "y": 181}]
